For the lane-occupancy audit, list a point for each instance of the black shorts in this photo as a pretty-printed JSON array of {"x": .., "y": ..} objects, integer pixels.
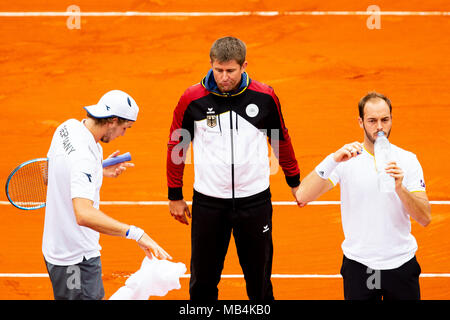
[
  {"x": 363, "y": 283},
  {"x": 82, "y": 281}
]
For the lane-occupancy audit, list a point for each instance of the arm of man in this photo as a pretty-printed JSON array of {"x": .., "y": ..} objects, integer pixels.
[
  {"x": 88, "y": 216},
  {"x": 281, "y": 144},
  {"x": 312, "y": 187},
  {"x": 416, "y": 203},
  {"x": 315, "y": 184},
  {"x": 181, "y": 134}
]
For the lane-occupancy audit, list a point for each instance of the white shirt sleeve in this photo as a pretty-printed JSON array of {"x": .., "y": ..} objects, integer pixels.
[
  {"x": 335, "y": 175},
  {"x": 413, "y": 175},
  {"x": 82, "y": 179}
]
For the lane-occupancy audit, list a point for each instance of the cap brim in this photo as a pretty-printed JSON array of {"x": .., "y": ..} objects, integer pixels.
[
  {"x": 96, "y": 113},
  {"x": 101, "y": 113}
]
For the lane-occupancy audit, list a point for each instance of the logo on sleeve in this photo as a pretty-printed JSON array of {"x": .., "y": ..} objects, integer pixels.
[
  {"x": 89, "y": 176},
  {"x": 422, "y": 183}
]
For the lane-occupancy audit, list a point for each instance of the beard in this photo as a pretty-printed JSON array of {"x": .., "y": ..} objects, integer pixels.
[
  {"x": 372, "y": 138},
  {"x": 229, "y": 87},
  {"x": 107, "y": 136}
]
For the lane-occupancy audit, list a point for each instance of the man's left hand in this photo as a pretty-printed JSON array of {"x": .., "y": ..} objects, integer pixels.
[
  {"x": 395, "y": 171},
  {"x": 117, "y": 169}
]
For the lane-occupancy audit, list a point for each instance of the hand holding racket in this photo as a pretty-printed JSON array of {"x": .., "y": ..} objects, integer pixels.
[{"x": 26, "y": 186}]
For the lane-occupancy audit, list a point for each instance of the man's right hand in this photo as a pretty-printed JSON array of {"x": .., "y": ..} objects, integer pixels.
[
  {"x": 151, "y": 247},
  {"x": 179, "y": 210},
  {"x": 348, "y": 151}
]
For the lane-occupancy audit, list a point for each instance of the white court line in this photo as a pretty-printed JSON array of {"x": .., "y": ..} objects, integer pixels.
[
  {"x": 275, "y": 203},
  {"x": 222, "y": 13},
  {"x": 165, "y": 203},
  {"x": 234, "y": 276}
]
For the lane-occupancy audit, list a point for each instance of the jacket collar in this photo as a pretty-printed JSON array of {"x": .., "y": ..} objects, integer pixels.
[{"x": 210, "y": 84}]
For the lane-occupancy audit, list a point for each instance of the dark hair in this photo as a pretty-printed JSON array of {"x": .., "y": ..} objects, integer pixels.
[
  {"x": 372, "y": 96},
  {"x": 102, "y": 121},
  {"x": 227, "y": 49}
]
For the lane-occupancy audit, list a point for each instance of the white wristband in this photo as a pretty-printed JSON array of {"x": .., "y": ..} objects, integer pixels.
[
  {"x": 326, "y": 167},
  {"x": 134, "y": 233}
]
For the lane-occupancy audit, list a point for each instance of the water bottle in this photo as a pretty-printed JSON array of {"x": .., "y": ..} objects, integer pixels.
[{"x": 382, "y": 149}]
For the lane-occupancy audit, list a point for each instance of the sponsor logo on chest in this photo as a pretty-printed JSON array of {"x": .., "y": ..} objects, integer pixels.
[
  {"x": 211, "y": 118},
  {"x": 252, "y": 110}
]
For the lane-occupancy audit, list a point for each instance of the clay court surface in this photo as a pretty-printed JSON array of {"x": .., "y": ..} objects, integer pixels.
[{"x": 319, "y": 66}]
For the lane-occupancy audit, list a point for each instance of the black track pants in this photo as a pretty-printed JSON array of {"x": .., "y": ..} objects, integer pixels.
[{"x": 213, "y": 222}]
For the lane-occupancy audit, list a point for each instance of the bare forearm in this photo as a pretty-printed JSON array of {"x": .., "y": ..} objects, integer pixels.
[
  {"x": 312, "y": 187},
  {"x": 416, "y": 204},
  {"x": 88, "y": 216},
  {"x": 102, "y": 223}
]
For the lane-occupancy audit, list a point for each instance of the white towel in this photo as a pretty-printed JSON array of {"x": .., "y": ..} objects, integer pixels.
[{"x": 154, "y": 278}]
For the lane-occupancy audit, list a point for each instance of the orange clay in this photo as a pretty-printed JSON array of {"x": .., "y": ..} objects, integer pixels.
[{"x": 319, "y": 66}]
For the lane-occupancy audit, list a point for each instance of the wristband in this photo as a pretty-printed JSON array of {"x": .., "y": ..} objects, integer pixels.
[
  {"x": 134, "y": 233},
  {"x": 326, "y": 167}
]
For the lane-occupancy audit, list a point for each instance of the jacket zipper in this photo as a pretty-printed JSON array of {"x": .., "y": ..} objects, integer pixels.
[{"x": 232, "y": 159}]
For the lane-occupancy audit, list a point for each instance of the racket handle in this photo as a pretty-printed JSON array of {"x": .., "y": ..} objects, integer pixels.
[{"x": 112, "y": 161}]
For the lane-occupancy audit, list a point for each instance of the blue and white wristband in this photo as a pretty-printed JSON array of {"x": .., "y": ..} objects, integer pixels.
[
  {"x": 326, "y": 167},
  {"x": 134, "y": 233}
]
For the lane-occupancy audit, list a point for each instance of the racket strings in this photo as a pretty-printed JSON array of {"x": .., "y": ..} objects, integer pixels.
[
  {"x": 43, "y": 166},
  {"x": 28, "y": 186}
]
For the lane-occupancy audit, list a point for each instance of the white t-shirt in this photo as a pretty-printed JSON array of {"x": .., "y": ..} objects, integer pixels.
[
  {"x": 376, "y": 225},
  {"x": 74, "y": 171}
]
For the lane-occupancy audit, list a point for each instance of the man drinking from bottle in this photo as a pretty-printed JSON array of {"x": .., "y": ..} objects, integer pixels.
[{"x": 379, "y": 250}]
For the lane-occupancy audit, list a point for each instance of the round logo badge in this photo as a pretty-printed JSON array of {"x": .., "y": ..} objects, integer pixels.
[{"x": 252, "y": 110}]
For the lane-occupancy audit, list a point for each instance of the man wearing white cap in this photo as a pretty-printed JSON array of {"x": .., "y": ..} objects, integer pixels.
[{"x": 73, "y": 220}]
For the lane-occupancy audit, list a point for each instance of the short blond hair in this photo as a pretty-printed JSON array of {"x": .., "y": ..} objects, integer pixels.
[{"x": 228, "y": 48}]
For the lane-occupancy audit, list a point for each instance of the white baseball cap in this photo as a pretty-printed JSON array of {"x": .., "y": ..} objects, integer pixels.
[{"x": 114, "y": 103}]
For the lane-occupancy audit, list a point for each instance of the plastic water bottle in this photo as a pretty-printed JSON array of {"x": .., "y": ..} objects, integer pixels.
[{"x": 382, "y": 149}]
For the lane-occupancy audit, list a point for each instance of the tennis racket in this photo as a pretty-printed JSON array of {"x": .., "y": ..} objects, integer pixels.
[{"x": 26, "y": 186}]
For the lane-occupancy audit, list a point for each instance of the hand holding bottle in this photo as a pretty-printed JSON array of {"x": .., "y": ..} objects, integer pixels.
[
  {"x": 396, "y": 172},
  {"x": 383, "y": 156}
]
